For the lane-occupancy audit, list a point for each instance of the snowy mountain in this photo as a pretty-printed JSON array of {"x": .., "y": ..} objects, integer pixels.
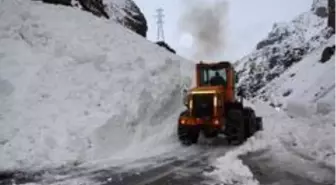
[
  {"x": 309, "y": 81},
  {"x": 125, "y": 12},
  {"x": 75, "y": 88},
  {"x": 286, "y": 45}
]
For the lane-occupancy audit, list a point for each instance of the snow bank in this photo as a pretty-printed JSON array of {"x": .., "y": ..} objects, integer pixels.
[
  {"x": 231, "y": 170},
  {"x": 299, "y": 145},
  {"x": 75, "y": 88},
  {"x": 311, "y": 135}
]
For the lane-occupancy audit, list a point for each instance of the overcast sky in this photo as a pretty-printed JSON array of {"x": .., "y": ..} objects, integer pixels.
[{"x": 247, "y": 22}]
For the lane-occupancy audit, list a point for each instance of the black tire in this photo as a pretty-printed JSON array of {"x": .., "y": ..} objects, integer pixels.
[
  {"x": 259, "y": 123},
  {"x": 250, "y": 122},
  {"x": 188, "y": 135},
  {"x": 236, "y": 127}
]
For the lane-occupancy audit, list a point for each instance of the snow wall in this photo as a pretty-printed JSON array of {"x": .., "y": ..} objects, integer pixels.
[{"x": 76, "y": 88}]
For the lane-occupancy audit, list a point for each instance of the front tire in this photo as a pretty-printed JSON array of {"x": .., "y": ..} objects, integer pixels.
[
  {"x": 236, "y": 127},
  {"x": 188, "y": 135}
]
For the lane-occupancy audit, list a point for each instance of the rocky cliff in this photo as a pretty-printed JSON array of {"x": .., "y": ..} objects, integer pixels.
[
  {"x": 126, "y": 12},
  {"x": 286, "y": 44}
]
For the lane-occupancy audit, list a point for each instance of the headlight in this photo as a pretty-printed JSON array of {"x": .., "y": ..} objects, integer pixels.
[
  {"x": 190, "y": 104},
  {"x": 215, "y": 101}
]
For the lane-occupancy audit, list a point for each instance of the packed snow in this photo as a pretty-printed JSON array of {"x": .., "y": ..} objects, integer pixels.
[{"x": 77, "y": 89}]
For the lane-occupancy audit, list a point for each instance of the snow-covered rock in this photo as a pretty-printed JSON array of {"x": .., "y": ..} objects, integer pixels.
[
  {"x": 286, "y": 44},
  {"x": 308, "y": 82},
  {"x": 76, "y": 88},
  {"x": 125, "y": 12}
]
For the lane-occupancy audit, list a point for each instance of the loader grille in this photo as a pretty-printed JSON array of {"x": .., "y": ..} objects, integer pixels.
[{"x": 202, "y": 105}]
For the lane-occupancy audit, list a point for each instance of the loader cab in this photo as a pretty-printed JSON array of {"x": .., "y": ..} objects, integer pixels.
[{"x": 205, "y": 72}]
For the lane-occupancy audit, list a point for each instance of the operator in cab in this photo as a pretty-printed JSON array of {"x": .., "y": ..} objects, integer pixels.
[{"x": 217, "y": 79}]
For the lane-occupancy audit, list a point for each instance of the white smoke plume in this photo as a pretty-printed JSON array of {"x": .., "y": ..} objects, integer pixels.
[{"x": 205, "y": 22}]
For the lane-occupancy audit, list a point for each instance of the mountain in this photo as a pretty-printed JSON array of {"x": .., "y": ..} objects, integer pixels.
[
  {"x": 309, "y": 82},
  {"x": 286, "y": 45},
  {"x": 125, "y": 12}
]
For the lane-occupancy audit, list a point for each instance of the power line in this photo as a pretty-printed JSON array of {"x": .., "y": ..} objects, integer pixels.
[{"x": 159, "y": 22}]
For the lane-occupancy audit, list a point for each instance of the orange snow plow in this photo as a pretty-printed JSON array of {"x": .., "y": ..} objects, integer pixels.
[{"x": 213, "y": 107}]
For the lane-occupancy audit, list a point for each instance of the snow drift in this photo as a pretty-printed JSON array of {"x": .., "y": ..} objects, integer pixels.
[{"x": 75, "y": 88}]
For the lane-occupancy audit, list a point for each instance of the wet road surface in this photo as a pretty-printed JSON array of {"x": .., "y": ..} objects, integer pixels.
[
  {"x": 176, "y": 171},
  {"x": 269, "y": 171}
]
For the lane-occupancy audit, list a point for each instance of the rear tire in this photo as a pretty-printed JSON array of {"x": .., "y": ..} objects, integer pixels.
[
  {"x": 259, "y": 124},
  {"x": 250, "y": 122},
  {"x": 236, "y": 127}
]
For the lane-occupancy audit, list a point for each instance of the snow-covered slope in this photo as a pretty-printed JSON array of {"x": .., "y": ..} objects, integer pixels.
[
  {"x": 76, "y": 88},
  {"x": 286, "y": 44},
  {"x": 307, "y": 82}
]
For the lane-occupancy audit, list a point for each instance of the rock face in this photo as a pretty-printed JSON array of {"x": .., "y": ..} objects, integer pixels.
[
  {"x": 327, "y": 53},
  {"x": 286, "y": 44},
  {"x": 165, "y": 45},
  {"x": 126, "y": 12},
  {"x": 320, "y": 8}
]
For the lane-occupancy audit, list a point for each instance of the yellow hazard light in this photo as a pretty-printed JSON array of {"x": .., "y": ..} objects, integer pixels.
[{"x": 182, "y": 121}]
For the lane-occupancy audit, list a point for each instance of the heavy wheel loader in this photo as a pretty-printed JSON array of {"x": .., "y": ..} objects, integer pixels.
[{"x": 213, "y": 107}]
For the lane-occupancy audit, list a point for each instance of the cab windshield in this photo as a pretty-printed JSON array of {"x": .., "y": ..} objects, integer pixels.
[{"x": 212, "y": 77}]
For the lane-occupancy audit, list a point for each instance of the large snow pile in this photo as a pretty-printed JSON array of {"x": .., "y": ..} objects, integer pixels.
[
  {"x": 286, "y": 44},
  {"x": 76, "y": 88}
]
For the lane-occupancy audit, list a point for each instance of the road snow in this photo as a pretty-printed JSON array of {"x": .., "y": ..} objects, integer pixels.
[{"x": 286, "y": 146}]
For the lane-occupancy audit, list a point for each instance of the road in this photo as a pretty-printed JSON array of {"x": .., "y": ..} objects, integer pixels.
[{"x": 177, "y": 171}]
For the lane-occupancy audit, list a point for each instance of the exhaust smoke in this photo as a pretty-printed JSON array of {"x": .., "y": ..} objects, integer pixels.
[{"x": 205, "y": 22}]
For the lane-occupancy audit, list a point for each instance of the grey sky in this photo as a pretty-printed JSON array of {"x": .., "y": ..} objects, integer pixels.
[{"x": 248, "y": 21}]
